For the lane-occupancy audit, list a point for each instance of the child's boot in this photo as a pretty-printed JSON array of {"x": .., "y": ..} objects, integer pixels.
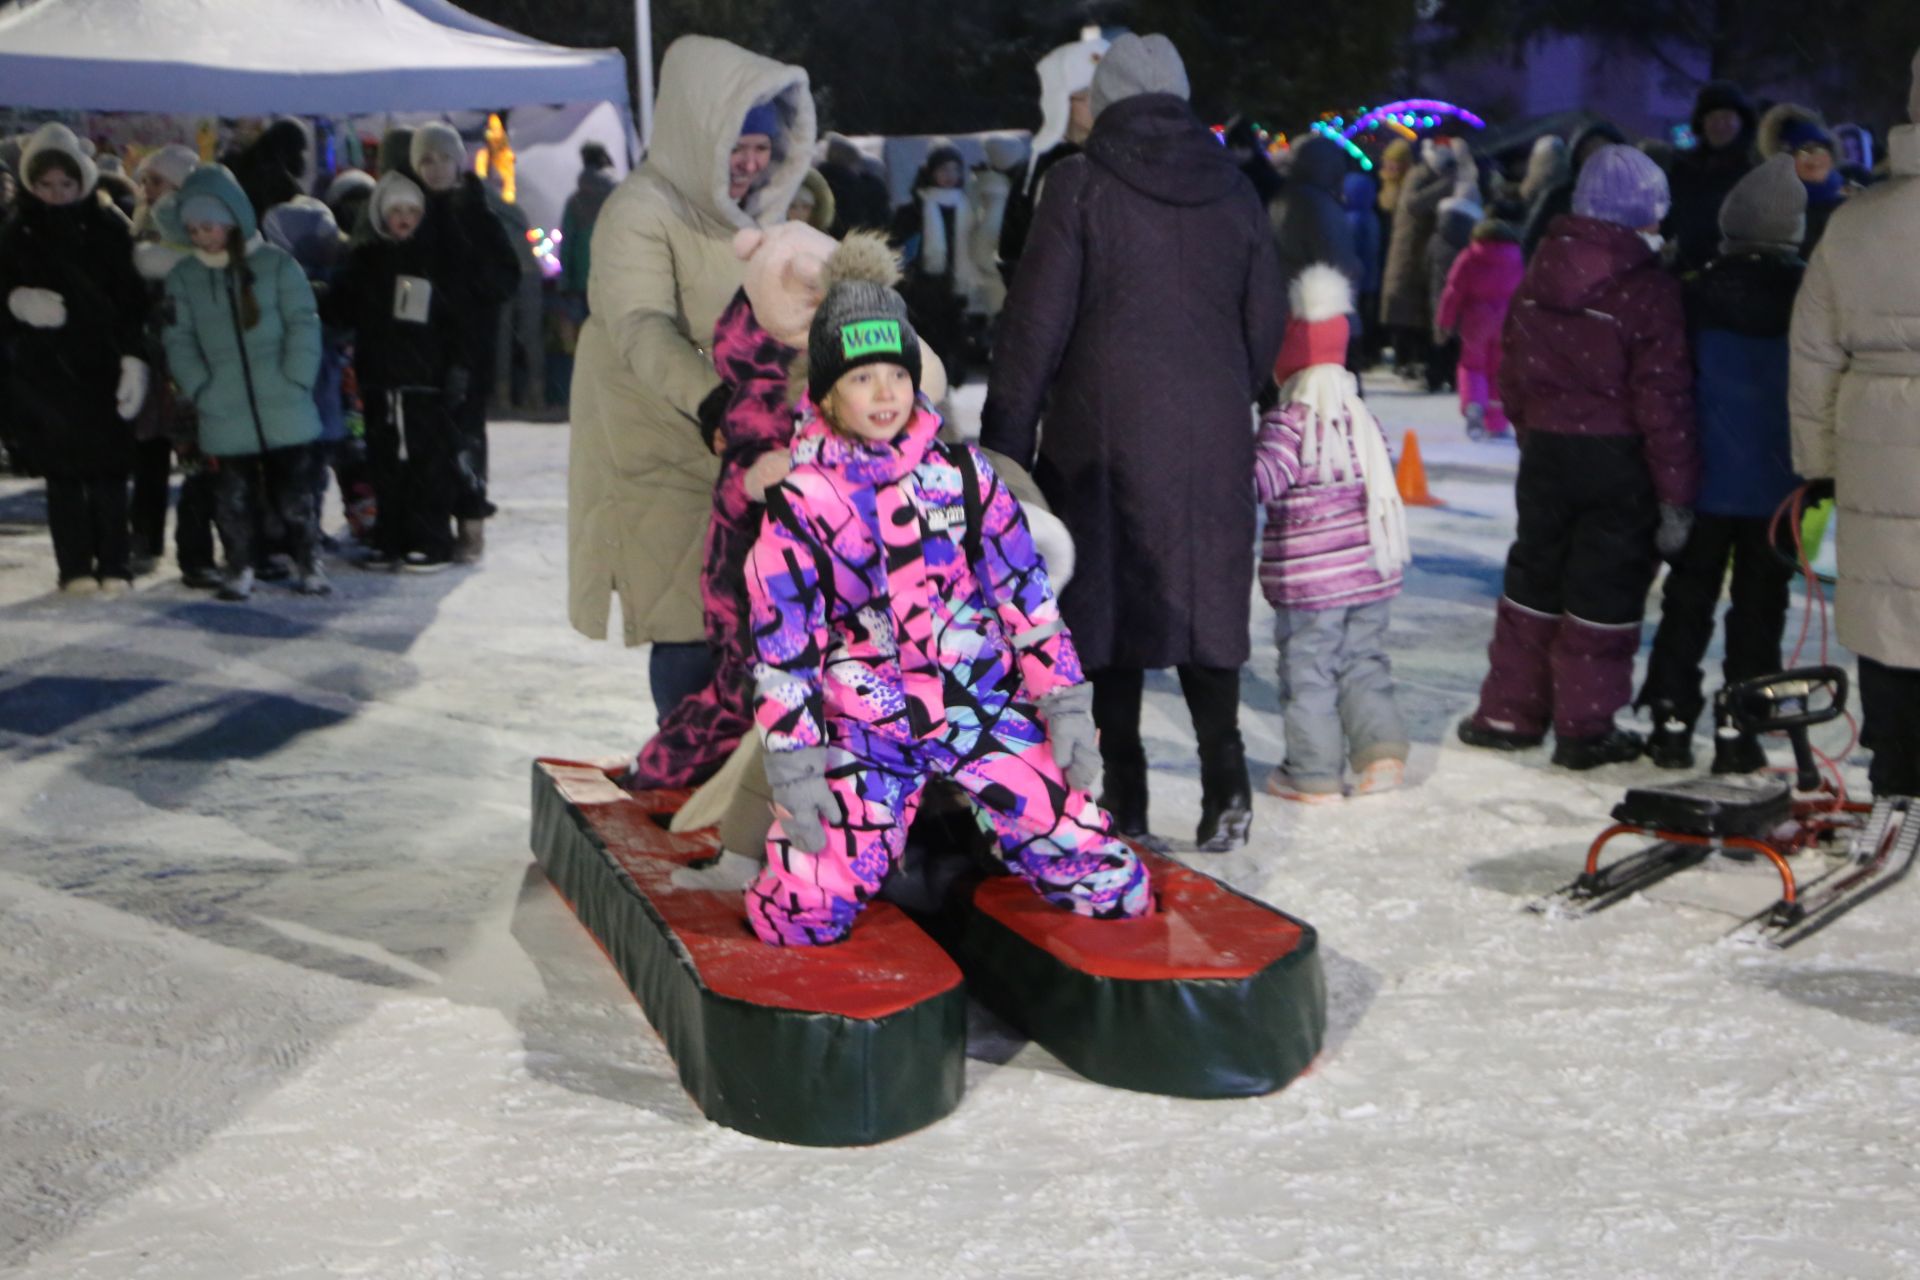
[
  {"x": 1671, "y": 744},
  {"x": 1381, "y": 775},
  {"x": 1123, "y": 794},
  {"x": 1734, "y": 749},
  {"x": 1476, "y": 422},
  {"x": 470, "y": 543}
]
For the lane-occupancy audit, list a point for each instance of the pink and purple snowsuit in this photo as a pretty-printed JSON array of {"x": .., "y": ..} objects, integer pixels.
[
  {"x": 696, "y": 738},
  {"x": 878, "y": 638},
  {"x": 1479, "y": 288}
]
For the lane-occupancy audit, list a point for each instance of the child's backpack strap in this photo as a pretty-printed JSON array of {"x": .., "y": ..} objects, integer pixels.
[{"x": 971, "y": 497}]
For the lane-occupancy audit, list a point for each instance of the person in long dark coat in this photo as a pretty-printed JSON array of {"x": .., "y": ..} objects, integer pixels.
[{"x": 1147, "y": 389}]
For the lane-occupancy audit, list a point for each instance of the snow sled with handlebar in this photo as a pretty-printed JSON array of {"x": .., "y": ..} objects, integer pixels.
[
  {"x": 1215, "y": 995},
  {"x": 1830, "y": 853}
]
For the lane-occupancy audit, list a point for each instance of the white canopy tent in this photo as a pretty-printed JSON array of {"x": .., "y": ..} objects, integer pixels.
[{"x": 293, "y": 57}]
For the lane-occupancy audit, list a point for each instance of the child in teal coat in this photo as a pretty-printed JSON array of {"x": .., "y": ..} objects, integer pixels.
[{"x": 244, "y": 345}]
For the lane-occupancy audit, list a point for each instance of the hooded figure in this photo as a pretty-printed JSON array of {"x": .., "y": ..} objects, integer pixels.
[
  {"x": 1406, "y": 300},
  {"x": 583, "y": 207},
  {"x": 1801, "y": 133},
  {"x": 1309, "y": 221},
  {"x": 1854, "y": 383},
  {"x": 860, "y": 199},
  {"x": 1702, "y": 176},
  {"x": 1557, "y": 199},
  {"x": 272, "y": 169},
  {"x": 1596, "y": 377},
  {"x": 73, "y": 316},
  {"x": 1066, "y": 73},
  {"x": 1147, "y": 394},
  {"x": 243, "y": 344},
  {"x": 640, "y": 478}
]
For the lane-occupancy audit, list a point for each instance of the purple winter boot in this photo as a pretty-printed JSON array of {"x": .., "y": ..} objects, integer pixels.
[
  {"x": 1516, "y": 700},
  {"x": 1592, "y": 679}
]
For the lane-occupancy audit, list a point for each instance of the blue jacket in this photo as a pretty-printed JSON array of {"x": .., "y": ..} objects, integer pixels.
[
  {"x": 213, "y": 361},
  {"x": 1740, "y": 309}
]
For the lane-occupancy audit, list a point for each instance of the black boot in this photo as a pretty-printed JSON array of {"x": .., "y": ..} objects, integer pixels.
[
  {"x": 1671, "y": 745},
  {"x": 1734, "y": 749},
  {"x": 1123, "y": 794},
  {"x": 1475, "y": 734},
  {"x": 1615, "y": 747},
  {"x": 1226, "y": 797}
]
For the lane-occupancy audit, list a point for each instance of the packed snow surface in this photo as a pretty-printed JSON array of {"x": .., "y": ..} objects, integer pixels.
[{"x": 282, "y": 995}]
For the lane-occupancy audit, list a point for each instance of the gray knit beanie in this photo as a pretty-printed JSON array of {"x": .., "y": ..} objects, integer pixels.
[
  {"x": 859, "y": 322},
  {"x": 1134, "y": 65},
  {"x": 1767, "y": 209}
]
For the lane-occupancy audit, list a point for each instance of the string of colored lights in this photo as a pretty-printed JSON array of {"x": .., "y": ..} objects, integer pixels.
[
  {"x": 1413, "y": 113},
  {"x": 1326, "y": 130}
]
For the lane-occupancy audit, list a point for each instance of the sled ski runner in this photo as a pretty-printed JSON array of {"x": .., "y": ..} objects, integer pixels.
[
  {"x": 1831, "y": 854},
  {"x": 1880, "y": 855}
]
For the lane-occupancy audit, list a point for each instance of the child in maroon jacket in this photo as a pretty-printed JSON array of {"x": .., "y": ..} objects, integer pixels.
[
  {"x": 1597, "y": 379},
  {"x": 1480, "y": 285}
]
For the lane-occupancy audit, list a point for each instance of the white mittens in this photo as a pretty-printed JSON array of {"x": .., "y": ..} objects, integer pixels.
[
  {"x": 133, "y": 386},
  {"x": 40, "y": 308}
]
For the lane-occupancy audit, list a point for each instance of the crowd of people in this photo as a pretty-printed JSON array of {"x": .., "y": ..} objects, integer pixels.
[
  {"x": 218, "y": 320},
  {"x": 844, "y": 600}
]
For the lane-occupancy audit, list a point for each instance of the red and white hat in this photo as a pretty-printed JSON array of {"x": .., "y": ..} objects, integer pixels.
[{"x": 1320, "y": 299}]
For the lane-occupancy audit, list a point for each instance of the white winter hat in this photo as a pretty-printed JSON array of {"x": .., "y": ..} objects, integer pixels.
[
  {"x": 57, "y": 139},
  {"x": 392, "y": 191},
  {"x": 437, "y": 139},
  {"x": 1064, "y": 72},
  {"x": 172, "y": 163}
]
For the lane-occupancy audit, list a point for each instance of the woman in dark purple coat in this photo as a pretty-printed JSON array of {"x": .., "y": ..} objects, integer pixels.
[{"x": 1143, "y": 320}]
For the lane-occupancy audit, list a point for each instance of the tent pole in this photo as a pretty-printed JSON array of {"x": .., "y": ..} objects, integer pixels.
[{"x": 643, "y": 55}]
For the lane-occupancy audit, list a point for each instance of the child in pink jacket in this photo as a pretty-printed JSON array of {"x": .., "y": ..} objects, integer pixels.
[
  {"x": 1474, "y": 305},
  {"x": 903, "y": 628}
]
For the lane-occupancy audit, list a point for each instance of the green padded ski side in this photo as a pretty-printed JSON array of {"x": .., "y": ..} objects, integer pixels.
[
  {"x": 1217, "y": 996},
  {"x": 836, "y": 1046}
]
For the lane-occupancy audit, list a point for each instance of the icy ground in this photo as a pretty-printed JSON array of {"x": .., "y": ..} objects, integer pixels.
[{"x": 281, "y": 994}]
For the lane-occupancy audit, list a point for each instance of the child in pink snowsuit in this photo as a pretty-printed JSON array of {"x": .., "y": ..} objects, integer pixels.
[
  {"x": 1474, "y": 304},
  {"x": 904, "y": 628}
]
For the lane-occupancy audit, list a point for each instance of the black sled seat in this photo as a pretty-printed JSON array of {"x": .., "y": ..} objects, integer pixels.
[
  {"x": 1710, "y": 808},
  {"x": 837, "y": 1046},
  {"x": 1218, "y": 995}
]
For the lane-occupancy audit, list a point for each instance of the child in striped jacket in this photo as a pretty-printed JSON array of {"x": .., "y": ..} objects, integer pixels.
[{"x": 1332, "y": 557}]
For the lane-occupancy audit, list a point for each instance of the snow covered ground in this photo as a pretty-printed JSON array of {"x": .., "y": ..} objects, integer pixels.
[{"x": 281, "y": 994}]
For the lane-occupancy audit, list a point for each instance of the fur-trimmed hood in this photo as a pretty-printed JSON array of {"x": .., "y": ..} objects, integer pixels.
[
  {"x": 1779, "y": 119},
  {"x": 57, "y": 138},
  {"x": 707, "y": 86}
]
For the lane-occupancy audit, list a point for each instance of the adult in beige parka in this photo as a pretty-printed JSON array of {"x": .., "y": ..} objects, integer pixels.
[
  {"x": 1856, "y": 421},
  {"x": 640, "y": 478}
]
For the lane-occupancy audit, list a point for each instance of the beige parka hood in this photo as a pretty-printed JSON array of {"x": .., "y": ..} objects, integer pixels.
[{"x": 707, "y": 86}]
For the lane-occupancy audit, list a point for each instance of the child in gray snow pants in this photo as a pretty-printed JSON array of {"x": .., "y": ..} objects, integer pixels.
[{"x": 1331, "y": 559}]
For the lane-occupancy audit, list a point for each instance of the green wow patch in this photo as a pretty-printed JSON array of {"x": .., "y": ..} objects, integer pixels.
[{"x": 869, "y": 336}]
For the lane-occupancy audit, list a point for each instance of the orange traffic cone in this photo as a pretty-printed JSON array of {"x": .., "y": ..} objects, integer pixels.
[{"x": 1411, "y": 476}]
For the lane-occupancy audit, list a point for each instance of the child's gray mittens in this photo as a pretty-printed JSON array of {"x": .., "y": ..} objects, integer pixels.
[
  {"x": 1070, "y": 731},
  {"x": 802, "y": 799}
]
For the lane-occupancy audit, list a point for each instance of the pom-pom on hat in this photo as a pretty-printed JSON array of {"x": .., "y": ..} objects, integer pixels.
[
  {"x": 1621, "y": 184},
  {"x": 859, "y": 323},
  {"x": 1317, "y": 330}
]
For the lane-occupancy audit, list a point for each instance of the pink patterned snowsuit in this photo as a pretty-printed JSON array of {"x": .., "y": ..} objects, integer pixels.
[
  {"x": 878, "y": 640},
  {"x": 1479, "y": 288},
  {"x": 696, "y": 738}
]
